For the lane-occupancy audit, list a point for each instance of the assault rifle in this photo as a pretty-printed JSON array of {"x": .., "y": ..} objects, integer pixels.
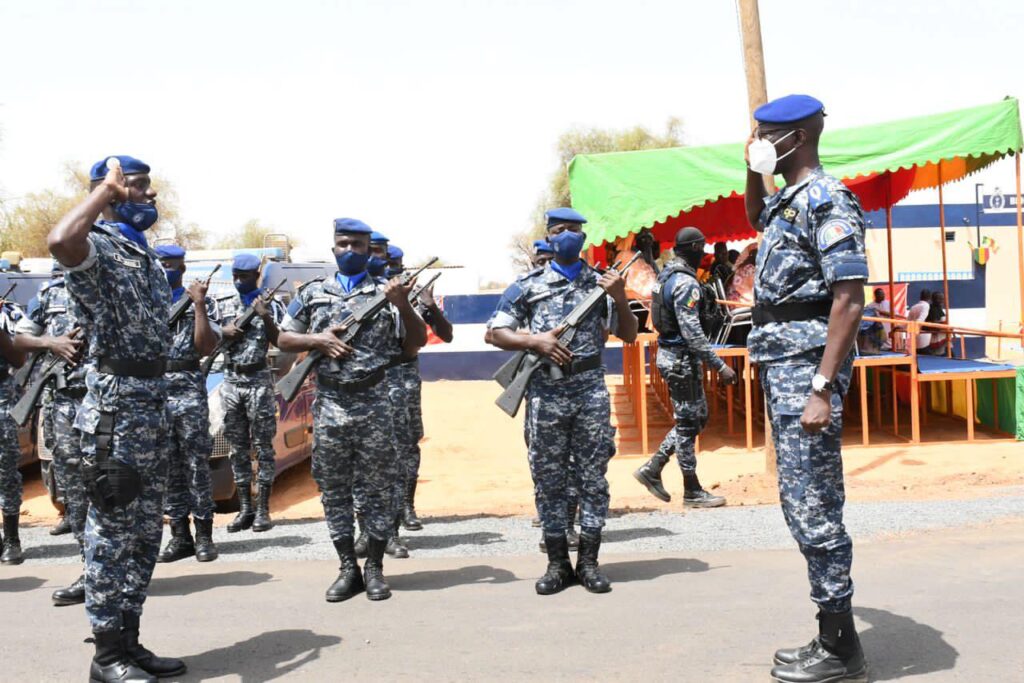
[
  {"x": 53, "y": 371},
  {"x": 415, "y": 294},
  {"x": 242, "y": 322},
  {"x": 179, "y": 309},
  {"x": 515, "y": 375},
  {"x": 349, "y": 327}
]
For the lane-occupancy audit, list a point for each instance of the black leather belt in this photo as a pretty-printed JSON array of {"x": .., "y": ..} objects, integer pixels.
[
  {"x": 246, "y": 368},
  {"x": 398, "y": 360},
  {"x": 787, "y": 313},
  {"x": 331, "y": 384},
  {"x": 183, "y": 365},
  {"x": 145, "y": 369},
  {"x": 74, "y": 393},
  {"x": 582, "y": 365}
]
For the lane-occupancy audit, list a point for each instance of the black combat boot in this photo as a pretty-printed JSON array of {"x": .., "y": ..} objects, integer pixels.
[
  {"x": 262, "y": 520},
  {"x": 587, "y": 570},
  {"x": 350, "y": 580},
  {"x": 694, "y": 495},
  {"x": 111, "y": 664},
  {"x": 570, "y": 532},
  {"x": 409, "y": 519},
  {"x": 206, "y": 551},
  {"x": 835, "y": 655},
  {"x": 161, "y": 667},
  {"x": 243, "y": 520},
  {"x": 395, "y": 547},
  {"x": 72, "y": 595},
  {"x": 559, "y": 574},
  {"x": 649, "y": 475},
  {"x": 11, "y": 542},
  {"x": 63, "y": 526},
  {"x": 181, "y": 544},
  {"x": 373, "y": 571},
  {"x": 363, "y": 539}
]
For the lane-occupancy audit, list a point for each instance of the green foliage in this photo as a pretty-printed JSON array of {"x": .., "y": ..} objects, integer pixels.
[
  {"x": 586, "y": 141},
  {"x": 249, "y": 236}
]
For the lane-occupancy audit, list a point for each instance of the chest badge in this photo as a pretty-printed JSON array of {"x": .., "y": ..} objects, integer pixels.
[{"x": 789, "y": 214}]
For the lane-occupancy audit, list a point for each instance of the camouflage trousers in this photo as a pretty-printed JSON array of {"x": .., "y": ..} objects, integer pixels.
[
  {"x": 572, "y": 492},
  {"x": 67, "y": 452},
  {"x": 810, "y": 471},
  {"x": 189, "y": 486},
  {"x": 10, "y": 453},
  {"x": 571, "y": 440},
  {"x": 406, "y": 399},
  {"x": 353, "y": 449},
  {"x": 121, "y": 545},
  {"x": 250, "y": 424},
  {"x": 682, "y": 372}
]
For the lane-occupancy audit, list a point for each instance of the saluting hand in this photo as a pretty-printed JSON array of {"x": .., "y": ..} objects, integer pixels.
[
  {"x": 327, "y": 343},
  {"x": 116, "y": 184},
  {"x": 548, "y": 345},
  {"x": 398, "y": 292}
]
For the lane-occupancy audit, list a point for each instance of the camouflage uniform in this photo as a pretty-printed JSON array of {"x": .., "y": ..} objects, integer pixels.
[
  {"x": 680, "y": 354},
  {"x": 52, "y": 312},
  {"x": 189, "y": 487},
  {"x": 813, "y": 238},
  {"x": 124, "y": 299},
  {"x": 405, "y": 387},
  {"x": 10, "y": 452},
  {"x": 569, "y": 429},
  {"x": 248, "y": 400},
  {"x": 352, "y": 428}
]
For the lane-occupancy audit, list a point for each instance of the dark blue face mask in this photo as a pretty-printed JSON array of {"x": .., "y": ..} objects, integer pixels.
[
  {"x": 174, "y": 277},
  {"x": 567, "y": 244},
  {"x": 351, "y": 262},
  {"x": 246, "y": 287},
  {"x": 376, "y": 266},
  {"x": 393, "y": 272},
  {"x": 140, "y": 216}
]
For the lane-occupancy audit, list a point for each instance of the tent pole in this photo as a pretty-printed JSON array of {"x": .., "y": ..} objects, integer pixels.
[
  {"x": 945, "y": 274},
  {"x": 1020, "y": 248},
  {"x": 888, "y": 238}
]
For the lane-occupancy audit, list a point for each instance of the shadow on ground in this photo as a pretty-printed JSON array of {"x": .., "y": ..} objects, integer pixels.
[
  {"x": 419, "y": 542},
  {"x": 261, "y": 658},
  {"x": 622, "y": 535},
  {"x": 250, "y": 545},
  {"x": 898, "y": 647},
  {"x": 646, "y": 570},
  {"x": 52, "y": 551},
  {"x": 20, "y": 584},
  {"x": 197, "y": 583},
  {"x": 447, "y": 578}
]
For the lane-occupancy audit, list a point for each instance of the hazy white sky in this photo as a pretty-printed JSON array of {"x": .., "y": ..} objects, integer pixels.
[{"x": 435, "y": 122}]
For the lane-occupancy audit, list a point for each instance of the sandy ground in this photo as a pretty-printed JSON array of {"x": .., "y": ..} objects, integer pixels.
[{"x": 474, "y": 461}]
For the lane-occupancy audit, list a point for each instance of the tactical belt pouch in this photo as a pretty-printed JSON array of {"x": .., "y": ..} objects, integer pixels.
[
  {"x": 582, "y": 365},
  {"x": 787, "y": 313},
  {"x": 683, "y": 388},
  {"x": 110, "y": 485},
  {"x": 183, "y": 365},
  {"x": 144, "y": 369},
  {"x": 246, "y": 368},
  {"x": 331, "y": 384}
]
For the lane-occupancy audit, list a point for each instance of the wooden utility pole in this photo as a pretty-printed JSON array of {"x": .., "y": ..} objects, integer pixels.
[{"x": 757, "y": 94}]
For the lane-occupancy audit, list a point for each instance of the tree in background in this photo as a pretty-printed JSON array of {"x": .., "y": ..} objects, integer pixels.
[
  {"x": 586, "y": 141},
  {"x": 25, "y": 224},
  {"x": 250, "y": 236}
]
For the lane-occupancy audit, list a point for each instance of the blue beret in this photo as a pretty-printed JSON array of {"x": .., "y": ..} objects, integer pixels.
[
  {"x": 788, "y": 109},
  {"x": 395, "y": 253},
  {"x": 564, "y": 215},
  {"x": 542, "y": 247},
  {"x": 352, "y": 225},
  {"x": 246, "y": 262},
  {"x": 170, "y": 251},
  {"x": 378, "y": 237},
  {"x": 129, "y": 165}
]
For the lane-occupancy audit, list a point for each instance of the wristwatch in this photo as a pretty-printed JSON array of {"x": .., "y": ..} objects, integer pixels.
[{"x": 820, "y": 384}]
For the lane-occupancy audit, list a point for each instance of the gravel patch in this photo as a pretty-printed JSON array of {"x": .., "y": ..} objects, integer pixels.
[{"x": 728, "y": 528}]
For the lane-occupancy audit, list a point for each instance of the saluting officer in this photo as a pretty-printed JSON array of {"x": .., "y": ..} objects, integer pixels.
[
  {"x": 809, "y": 289},
  {"x": 189, "y": 487},
  {"x": 570, "y": 431},
  {"x": 250, "y": 408},
  {"x": 123, "y": 297},
  {"x": 352, "y": 414},
  {"x": 47, "y": 327},
  {"x": 682, "y": 348}
]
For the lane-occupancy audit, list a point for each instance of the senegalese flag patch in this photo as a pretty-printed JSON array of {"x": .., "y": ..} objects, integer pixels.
[
  {"x": 693, "y": 298},
  {"x": 834, "y": 232}
]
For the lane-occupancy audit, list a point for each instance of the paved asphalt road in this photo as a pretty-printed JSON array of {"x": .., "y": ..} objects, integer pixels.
[{"x": 934, "y": 605}]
